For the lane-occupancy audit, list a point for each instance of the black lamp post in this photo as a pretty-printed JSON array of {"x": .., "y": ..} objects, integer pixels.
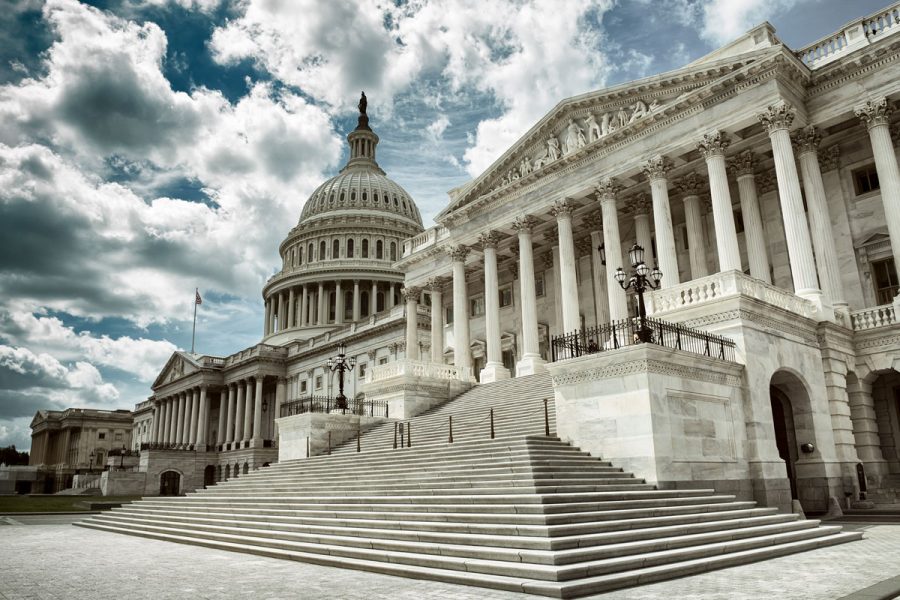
[
  {"x": 342, "y": 364},
  {"x": 122, "y": 460},
  {"x": 641, "y": 279},
  {"x": 91, "y": 463}
]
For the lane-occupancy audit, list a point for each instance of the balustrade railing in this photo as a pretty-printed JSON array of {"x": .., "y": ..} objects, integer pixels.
[
  {"x": 856, "y": 34},
  {"x": 417, "y": 368},
  {"x": 327, "y": 404},
  {"x": 630, "y": 332},
  {"x": 870, "y": 318}
]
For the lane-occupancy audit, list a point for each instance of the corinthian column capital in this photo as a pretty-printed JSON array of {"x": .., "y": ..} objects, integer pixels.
[
  {"x": 657, "y": 167},
  {"x": 743, "y": 164},
  {"x": 806, "y": 140},
  {"x": 562, "y": 208},
  {"x": 874, "y": 112},
  {"x": 713, "y": 144},
  {"x": 411, "y": 293},
  {"x": 608, "y": 188},
  {"x": 436, "y": 284},
  {"x": 525, "y": 223},
  {"x": 458, "y": 253},
  {"x": 691, "y": 184},
  {"x": 777, "y": 116},
  {"x": 489, "y": 239},
  {"x": 640, "y": 204}
]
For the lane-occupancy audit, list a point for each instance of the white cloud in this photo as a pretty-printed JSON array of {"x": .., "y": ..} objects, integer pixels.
[
  {"x": 436, "y": 128},
  {"x": 726, "y": 20}
]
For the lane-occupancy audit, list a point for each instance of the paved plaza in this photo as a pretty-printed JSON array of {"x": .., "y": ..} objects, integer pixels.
[{"x": 47, "y": 558}]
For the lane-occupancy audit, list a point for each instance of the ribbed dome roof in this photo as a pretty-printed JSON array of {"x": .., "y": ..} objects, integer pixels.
[{"x": 361, "y": 185}]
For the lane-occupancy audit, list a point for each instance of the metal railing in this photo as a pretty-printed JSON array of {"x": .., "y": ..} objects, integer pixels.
[
  {"x": 630, "y": 332},
  {"x": 327, "y": 404}
]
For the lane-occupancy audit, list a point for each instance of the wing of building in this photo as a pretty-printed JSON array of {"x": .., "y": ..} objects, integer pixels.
[{"x": 763, "y": 183}]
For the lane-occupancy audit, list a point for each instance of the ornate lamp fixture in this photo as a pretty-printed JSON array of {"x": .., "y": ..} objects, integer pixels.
[
  {"x": 642, "y": 278},
  {"x": 342, "y": 364}
]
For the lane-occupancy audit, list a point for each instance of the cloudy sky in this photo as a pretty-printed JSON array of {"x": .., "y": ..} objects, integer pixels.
[{"x": 148, "y": 147}]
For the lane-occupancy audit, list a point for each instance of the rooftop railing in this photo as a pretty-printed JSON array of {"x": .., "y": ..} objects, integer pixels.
[
  {"x": 328, "y": 405},
  {"x": 856, "y": 34}
]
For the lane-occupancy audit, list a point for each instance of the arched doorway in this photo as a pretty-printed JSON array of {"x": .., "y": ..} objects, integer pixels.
[
  {"x": 246, "y": 468},
  {"x": 792, "y": 419},
  {"x": 169, "y": 483},
  {"x": 785, "y": 434},
  {"x": 209, "y": 476},
  {"x": 227, "y": 471}
]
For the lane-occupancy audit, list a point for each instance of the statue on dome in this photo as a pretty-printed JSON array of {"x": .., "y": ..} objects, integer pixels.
[{"x": 363, "y": 103}]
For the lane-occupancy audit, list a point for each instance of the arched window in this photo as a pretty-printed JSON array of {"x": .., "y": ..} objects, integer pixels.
[
  {"x": 336, "y": 249},
  {"x": 350, "y": 248},
  {"x": 342, "y": 197},
  {"x": 353, "y": 196},
  {"x": 375, "y": 197},
  {"x": 309, "y": 253},
  {"x": 365, "y": 196},
  {"x": 322, "y": 250},
  {"x": 299, "y": 255},
  {"x": 395, "y": 202},
  {"x": 365, "y": 253},
  {"x": 379, "y": 249},
  {"x": 393, "y": 250}
]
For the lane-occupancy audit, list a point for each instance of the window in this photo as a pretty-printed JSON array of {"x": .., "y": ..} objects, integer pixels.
[
  {"x": 299, "y": 255},
  {"x": 383, "y": 360},
  {"x": 865, "y": 179},
  {"x": 379, "y": 250},
  {"x": 318, "y": 382},
  {"x": 119, "y": 436},
  {"x": 539, "y": 285},
  {"x": 303, "y": 385},
  {"x": 884, "y": 278},
  {"x": 393, "y": 250},
  {"x": 322, "y": 250},
  {"x": 101, "y": 435},
  {"x": 350, "y": 248},
  {"x": 309, "y": 253},
  {"x": 476, "y": 306},
  {"x": 506, "y": 296},
  {"x": 365, "y": 249},
  {"x": 362, "y": 370},
  {"x": 336, "y": 249},
  {"x": 448, "y": 314}
]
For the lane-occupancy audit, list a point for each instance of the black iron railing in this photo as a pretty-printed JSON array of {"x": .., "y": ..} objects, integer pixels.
[
  {"x": 629, "y": 332},
  {"x": 167, "y": 446},
  {"x": 325, "y": 404}
]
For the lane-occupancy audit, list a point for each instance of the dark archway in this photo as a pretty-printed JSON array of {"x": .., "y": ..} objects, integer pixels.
[
  {"x": 246, "y": 468},
  {"x": 169, "y": 483},
  {"x": 785, "y": 434},
  {"x": 209, "y": 476},
  {"x": 227, "y": 471}
]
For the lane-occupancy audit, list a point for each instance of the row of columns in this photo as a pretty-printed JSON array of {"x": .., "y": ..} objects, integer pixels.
[
  {"x": 182, "y": 418},
  {"x": 282, "y": 311},
  {"x": 806, "y": 270},
  {"x": 240, "y": 415}
]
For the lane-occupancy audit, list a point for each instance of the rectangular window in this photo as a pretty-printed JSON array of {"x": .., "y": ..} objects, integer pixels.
[
  {"x": 449, "y": 315},
  {"x": 865, "y": 179},
  {"x": 303, "y": 387},
  {"x": 318, "y": 382},
  {"x": 539, "y": 285},
  {"x": 476, "y": 306},
  {"x": 884, "y": 278},
  {"x": 506, "y": 296},
  {"x": 119, "y": 437},
  {"x": 383, "y": 360},
  {"x": 362, "y": 370},
  {"x": 101, "y": 435}
]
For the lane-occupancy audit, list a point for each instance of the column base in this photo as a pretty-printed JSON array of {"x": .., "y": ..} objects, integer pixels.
[
  {"x": 531, "y": 364},
  {"x": 493, "y": 371}
]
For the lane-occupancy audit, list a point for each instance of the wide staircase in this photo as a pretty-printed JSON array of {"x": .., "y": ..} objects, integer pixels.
[{"x": 521, "y": 512}]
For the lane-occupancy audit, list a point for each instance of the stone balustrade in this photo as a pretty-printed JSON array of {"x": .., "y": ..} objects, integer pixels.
[
  {"x": 870, "y": 318},
  {"x": 855, "y": 34},
  {"x": 427, "y": 238},
  {"x": 418, "y": 368},
  {"x": 723, "y": 285}
]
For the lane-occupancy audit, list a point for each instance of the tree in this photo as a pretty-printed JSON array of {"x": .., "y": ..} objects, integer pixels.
[{"x": 11, "y": 456}]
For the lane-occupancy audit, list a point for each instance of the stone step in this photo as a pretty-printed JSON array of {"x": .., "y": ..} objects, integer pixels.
[{"x": 413, "y": 484}]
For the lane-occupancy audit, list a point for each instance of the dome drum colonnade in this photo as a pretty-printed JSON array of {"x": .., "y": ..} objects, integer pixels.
[
  {"x": 807, "y": 272},
  {"x": 337, "y": 261}
]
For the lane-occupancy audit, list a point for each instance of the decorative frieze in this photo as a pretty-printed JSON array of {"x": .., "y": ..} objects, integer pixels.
[
  {"x": 743, "y": 164},
  {"x": 657, "y": 167},
  {"x": 659, "y": 367},
  {"x": 713, "y": 144},
  {"x": 806, "y": 140},
  {"x": 777, "y": 116},
  {"x": 874, "y": 112}
]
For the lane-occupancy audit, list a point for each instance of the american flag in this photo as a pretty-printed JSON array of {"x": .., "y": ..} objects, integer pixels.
[{"x": 197, "y": 299}]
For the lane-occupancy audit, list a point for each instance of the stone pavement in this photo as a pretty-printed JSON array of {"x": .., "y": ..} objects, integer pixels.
[{"x": 49, "y": 559}]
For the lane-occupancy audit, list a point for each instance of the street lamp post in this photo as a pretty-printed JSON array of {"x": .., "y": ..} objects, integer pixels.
[
  {"x": 640, "y": 280},
  {"x": 91, "y": 462},
  {"x": 122, "y": 460},
  {"x": 342, "y": 364}
]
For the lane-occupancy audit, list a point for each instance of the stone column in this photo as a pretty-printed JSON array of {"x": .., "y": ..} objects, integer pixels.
[
  {"x": 280, "y": 395},
  {"x": 356, "y": 311},
  {"x": 290, "y": 312},
  {"x": 179, "y": 420},
  {"x": 257, "y": 413},
  {"x": 282, "y": 314},
  {"x": 618, "y": 303},
  {"x": 304, "y": 306},
  {"x": 268, "y": 310},
  {"x": 435, "y": 287},
  {"x": 777, "y": 120},
  {"x": 531, "y": 361},
  {"x": 411, "y": 296},
  {"x": 667, "y": 256},
  {"x": 203, "y": 419},
  {"x": 195, "y": 416},
  {"x": 373, "y": 299},
  {"x": 807, "y": 143},
  {"x": 493, "y": 369},
  {"x": 223, "y": 414},
  {"x": 865, "y": 427},
  {"x": 876, "y": 114},
  {"x": 640, "y": 207},
  {"x": 390, "y": 299},
  {"x": 168, "y": 437},
  {"x": 154, "y": 433},
  {"x": 322, "y": 306},
  {"x": 594, "y": 222},
  {"x": 230, "y": 411},
  {"x": 248, "y": 413},
  {"x": 713, "y": 147},
  {"x": 571, "y": 312},
  {"x": 339, "y": 305},
  {"x": 691, "y": 185},
  {"x": 744, "y": 167},
  {"x": 239, "y": 413},
  {"x": 462, "y": 353}
]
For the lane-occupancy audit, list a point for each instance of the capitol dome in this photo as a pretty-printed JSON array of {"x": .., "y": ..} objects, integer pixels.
[{"x": 337, "y": 262}]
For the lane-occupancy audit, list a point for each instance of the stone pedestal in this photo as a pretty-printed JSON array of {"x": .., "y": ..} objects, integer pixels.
[
  {"x": 312, "y": 434},
  {"x": 411, "y": 387}
]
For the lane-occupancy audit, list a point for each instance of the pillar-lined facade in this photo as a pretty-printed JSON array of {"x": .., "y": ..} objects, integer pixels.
[
  {"x": 411, "y": 296},
  {"x": 656, "y": 170},
  {"x": 713, "y": 147},
  {"x": 493, "y": 369},
  {"x": 618, "y": 303},
  {"x": 531, "y": 361},
  {"x": 257, "y": 412},
  {"x": 692, "y": 185},
  {"x": 462, "y": 352},
  {"x": 744, "y": 168},
  {"x": 571, "y": 312},
  {"x": 594, "y": 223},
  {"x": 435, "y": 288}
]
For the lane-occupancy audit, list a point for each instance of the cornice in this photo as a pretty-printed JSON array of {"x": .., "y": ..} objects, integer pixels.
[
  {"x": 854, "y": 65},
  {"x": 648, "y": 365}
]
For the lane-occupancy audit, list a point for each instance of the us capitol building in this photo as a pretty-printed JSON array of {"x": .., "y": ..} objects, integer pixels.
[{"x": 763, "y": 183}]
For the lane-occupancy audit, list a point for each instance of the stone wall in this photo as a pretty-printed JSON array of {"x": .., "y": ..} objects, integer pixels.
[{"x": 312, "y": 434}]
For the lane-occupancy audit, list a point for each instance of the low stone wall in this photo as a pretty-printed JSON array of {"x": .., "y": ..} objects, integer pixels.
[
  {"x": 311, "y": 434},
  {"x": 412, "y": 387},
  {"x": 123, "y": 483}
]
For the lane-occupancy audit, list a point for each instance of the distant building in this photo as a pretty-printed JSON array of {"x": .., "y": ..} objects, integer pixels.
[{"x": 75, "y": 440}]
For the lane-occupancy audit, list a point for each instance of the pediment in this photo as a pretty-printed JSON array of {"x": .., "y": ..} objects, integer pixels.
[
  {"x": 578, "y": 125},
  {"x": 179, "y": 365}
]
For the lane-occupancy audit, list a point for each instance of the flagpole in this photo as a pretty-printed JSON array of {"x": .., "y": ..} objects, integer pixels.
[{"x": 194, "y": 328}]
